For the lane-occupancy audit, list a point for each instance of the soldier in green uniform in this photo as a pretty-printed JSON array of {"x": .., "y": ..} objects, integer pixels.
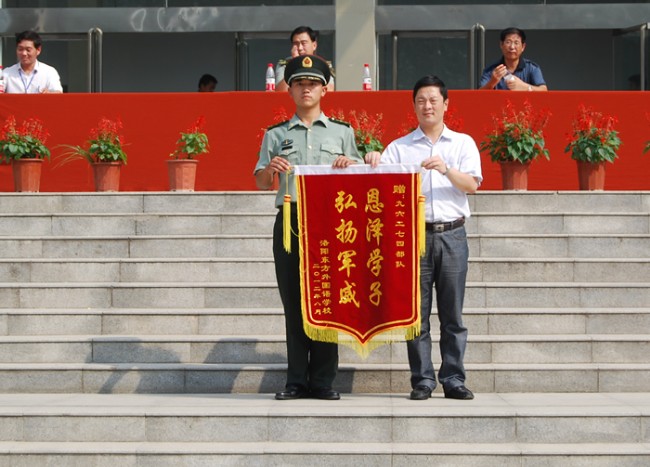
[
  {"x": 309, "y": 137},
  {"x": 304, "y": 41}
]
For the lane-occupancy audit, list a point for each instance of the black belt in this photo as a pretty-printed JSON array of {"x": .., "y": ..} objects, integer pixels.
[{"x": 444, "y": 226}]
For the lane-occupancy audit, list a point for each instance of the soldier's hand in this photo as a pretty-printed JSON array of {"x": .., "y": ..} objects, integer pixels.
[
  {"x": 279, "y": 165},
  {"x": 342, "y": 162}
]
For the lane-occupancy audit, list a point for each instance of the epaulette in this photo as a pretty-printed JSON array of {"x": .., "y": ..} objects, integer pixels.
[
  {"x": 277, "y": 125},
  {"x": 282, "y": 62},
  {"x": 342, "y": 122}
]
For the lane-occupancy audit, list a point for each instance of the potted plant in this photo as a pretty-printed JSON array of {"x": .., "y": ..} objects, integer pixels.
[
  {"x": 104, "y": 152},
  {"x": 24, "y": 147},
  {"x": 592, "y": 143},
  {"x": 182, "y": 166},
  {"x": 515, "y": 141}
]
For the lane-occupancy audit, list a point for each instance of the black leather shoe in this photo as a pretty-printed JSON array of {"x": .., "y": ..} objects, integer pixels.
[
  {"x": 290, "y": 392},
  {"x": 325, "y": 394},
  {"x": 421, "y": 393},
  {"x": 459, "y": 392}
]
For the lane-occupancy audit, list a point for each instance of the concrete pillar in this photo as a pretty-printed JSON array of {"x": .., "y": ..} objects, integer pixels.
[{"x": 355, "y": 43}]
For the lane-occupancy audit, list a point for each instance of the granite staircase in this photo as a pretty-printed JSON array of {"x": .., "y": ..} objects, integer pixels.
[{"x": 146, "y": 328}]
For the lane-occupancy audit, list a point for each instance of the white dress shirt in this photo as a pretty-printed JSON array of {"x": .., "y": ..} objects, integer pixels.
[
  {"x": 42, "y": 77},
  {"x": 444, "y": 202}
]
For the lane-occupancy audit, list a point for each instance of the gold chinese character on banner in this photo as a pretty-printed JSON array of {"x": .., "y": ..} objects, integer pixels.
[
  {"x": 373, "y": 204},
  {"x": 374, "y": 230},
  {"x": 375, "y": 296},
  {"x": 346, "y": 232},
  {"x": 344, "y": 201},
  {"x": 374, "y": 262},
  {"x": 349, "y": 295},
  {"x": 345, "y": 257}
]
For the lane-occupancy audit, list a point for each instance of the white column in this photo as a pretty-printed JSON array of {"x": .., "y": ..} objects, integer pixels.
[{"x": 355, "y": 43}]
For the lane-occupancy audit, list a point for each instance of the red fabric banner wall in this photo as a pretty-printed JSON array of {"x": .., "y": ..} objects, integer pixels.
[
  {"x": 235, "y": 122},
  {"x": 359, "y": 260}
]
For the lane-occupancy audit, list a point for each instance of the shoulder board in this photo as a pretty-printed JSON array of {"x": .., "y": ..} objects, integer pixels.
[
  {"x": 341, "y": 122},
  {"x": 282, "y": 62},
  {"x": 277, "y": 125}
]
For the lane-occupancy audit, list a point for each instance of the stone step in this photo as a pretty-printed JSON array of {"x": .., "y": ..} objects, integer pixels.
[
  {"x": 379, "y": 454},
  {"x": 560, "y": 201},
  {"x": 126, "y": 270},
  {"x": 163, "y": 246},
  {"x": 559, "y": 269},
  {"x": 253, "y": 294},
  {"x": 74, "y": 270},
  {"x": 594, "y": 348},
  {"x": 491, "y": 419},
  {"x": 260, "y": 246},
  {"x": 97, "y": 378},
  {"x": 208, "y": 223},
  {"x": 263, "y": 201},
  {"x": 555, "y": 223},
  {"x": 270, "y": 321},
  {"x": 120, "y": 224},
  {"x": 141, "y": 202}
]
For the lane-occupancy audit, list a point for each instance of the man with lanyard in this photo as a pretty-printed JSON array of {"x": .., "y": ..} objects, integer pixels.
[
  {"x": 513, "y": 72},
  {"x": 29, "y": 76},
  {"x": 452, "y": 169},
  {"x": 308, "y": 138}
]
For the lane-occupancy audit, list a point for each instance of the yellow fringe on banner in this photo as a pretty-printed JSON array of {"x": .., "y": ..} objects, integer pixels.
[
  {"x": 320, "y": 334},
  {"x": 363, "y": 350},
  {"x": 286, "y": 223},
  {"x": 422, "y": 234}
]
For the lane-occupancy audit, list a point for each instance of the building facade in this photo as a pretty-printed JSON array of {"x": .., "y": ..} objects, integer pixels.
[{"x": 166, "y": 45}]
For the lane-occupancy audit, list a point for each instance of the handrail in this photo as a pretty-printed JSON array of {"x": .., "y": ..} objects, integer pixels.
[
  {"x": 476, "y": 54},
  {"x": 95, "y": 57}
]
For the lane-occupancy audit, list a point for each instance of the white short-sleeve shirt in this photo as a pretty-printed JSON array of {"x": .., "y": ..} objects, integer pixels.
[
  {"x": 42, "y": 77},
  {"x": 444, "y": 202}
]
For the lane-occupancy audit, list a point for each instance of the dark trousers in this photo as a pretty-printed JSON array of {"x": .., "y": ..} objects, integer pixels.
[
  {"x": 311, "y": 364},
  {"x": 443, "y": 269}
]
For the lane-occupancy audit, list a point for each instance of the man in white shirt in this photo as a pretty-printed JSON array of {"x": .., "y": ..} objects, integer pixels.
[
  {"x": 452, "y": 169},
  {"x": 29, "y": 76}
]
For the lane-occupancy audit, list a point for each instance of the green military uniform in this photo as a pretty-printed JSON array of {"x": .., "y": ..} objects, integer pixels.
[
  {"x": 321, "y": 144},
  {"x": 312, "y": 365}
]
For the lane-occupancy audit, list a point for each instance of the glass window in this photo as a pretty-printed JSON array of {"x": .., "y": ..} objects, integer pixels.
[
  {"x": 154, "y": 3},
  {"x": 444, "y": 54}
]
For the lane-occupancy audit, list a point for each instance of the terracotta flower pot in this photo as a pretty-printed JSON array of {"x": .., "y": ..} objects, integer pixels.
[
  {"x": 107, "y": 176},
  {"x": 591, "y": 175},
  {"x": 182, "y": 174},
  {"x": 514, "y": 175},
  {"x": 27, "y": 174}
]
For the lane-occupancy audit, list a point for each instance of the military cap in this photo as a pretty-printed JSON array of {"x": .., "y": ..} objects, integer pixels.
[{"x": 307, "y": 67}]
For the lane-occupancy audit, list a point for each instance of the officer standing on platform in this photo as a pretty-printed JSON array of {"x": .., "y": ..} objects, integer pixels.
[{"x": 309, "y": 137}]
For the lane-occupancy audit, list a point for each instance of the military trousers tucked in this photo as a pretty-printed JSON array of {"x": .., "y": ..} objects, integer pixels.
[
  {"x": 311, "y": 364},
  {"x": 443, "y": 269}
]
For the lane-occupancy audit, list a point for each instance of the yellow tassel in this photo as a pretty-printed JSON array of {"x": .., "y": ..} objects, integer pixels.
[
  {"x": 422, "y": 234},
  {"x": 286, "y": 223}
]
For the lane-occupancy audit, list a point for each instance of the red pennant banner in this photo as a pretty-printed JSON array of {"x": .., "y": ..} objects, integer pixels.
[{"x": 359, "y": 252}]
